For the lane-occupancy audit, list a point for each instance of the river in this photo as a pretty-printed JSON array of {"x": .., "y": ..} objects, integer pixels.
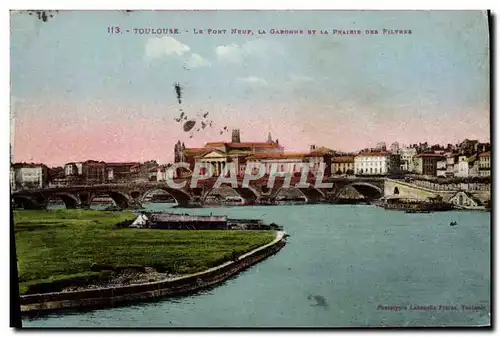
[{"x": 343, "y": 266}]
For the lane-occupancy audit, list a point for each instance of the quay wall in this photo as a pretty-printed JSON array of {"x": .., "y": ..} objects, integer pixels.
[
  {"x": 36, "y": 304},
  {"x": 409, "y": 190}
]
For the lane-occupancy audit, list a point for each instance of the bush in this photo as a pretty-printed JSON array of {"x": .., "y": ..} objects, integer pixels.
[
  {"x": 58, "y": 283},
  {"x": 123, "y": 224}
]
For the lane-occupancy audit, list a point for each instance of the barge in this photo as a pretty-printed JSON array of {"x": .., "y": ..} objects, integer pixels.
[
  {"x": 163, "y": 220},
  {"x": 416, "y": 205}
]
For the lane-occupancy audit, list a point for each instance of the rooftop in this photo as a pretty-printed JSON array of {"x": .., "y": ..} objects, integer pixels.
[
  {"x": 429, "y": 155},
  {"x": 242, "y": 144},
  {"x": 373, "y": 154},
  {"x": 123, "y": 164},
  {"x": 318, "y": 154},
  {"x": 184, "y": 218},
  {"x": 251, "y": 144},
  {"x": 485, "y": 154},
  {"x": 343, "y": 159},
  {"x": 198, "y": 150},
  {"x": 215, "y": 144},
  {"x": 471, "y": 159},
  {"x": 18, "y": 165},
  {"x": 274, "y": 155}
]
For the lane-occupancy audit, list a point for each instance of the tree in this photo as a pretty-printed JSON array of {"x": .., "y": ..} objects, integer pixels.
[{"x": 151, "y": 163}]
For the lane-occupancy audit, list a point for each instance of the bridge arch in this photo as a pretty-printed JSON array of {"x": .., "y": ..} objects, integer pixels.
[
  {"x": 26, "y": 202},
  {"x": 310, "y": 193},
  {"x": 368, "y": 190},
  {"x": 313, "y": 194},
  {"x": 136, "y": 195},
  {"x": 181, "y": 197},
  {"x": 121, "y": 199},
  {"x": 396, "y": 191},
  {"x": 174, "y": 195},
  {"x": 276, "y": 194},
  {"x": 249, "y": 194},
  {"x": 71, "y": 201}
]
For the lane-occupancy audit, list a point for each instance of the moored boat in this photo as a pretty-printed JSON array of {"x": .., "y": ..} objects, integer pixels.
[
  {"x": 416, "y": 206},
  {"x": 417, "y": 211}
]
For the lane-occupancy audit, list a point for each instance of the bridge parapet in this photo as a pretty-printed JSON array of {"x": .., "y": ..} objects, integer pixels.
[{"x": 129, "y": 194}]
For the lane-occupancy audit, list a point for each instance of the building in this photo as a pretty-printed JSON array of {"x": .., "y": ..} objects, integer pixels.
[
  {"x": 343, "y": 165},
  {"x": 451, "y": 159},
  {"x": 381, "y": 146},
  {"x": 468, "y": 146},
  {"x": 88, "y": 172},
  {"x": 468, "y": 166},
  {"x": 12, "y": 178},
  {"x": 441, "y": 168},
  {"x": 119, "y": 172},
  {"x": 482, "y": 147},
  {"x": 406, "y": 157},
  {"x": 27, "y": 176},
  {"x": 462, "y": 167},
  {"x": 57, "y": 176},
  {"x": 73, "y": 169},
  {"x": 163, "y": 173},
  {"x": 473, "y": 166},
  {"x": 394, "y": 148},
  {"x": 290, "y": 162},
  {"x": 220, "y": 153},
  {"x": 235, "y": 136},
  {"x": 426, "y": 163},
  {"x": 94, "y": 172},
  {"x": 318, "y": 159},
  {"x": 179, "y": 149},
  {"x": 394, "y": 164},
  {"x": 374, "y": 163},
  {"x": 284, "y": 162},
  {"x": 484, "y": 164},
  {"x": 160, "y": 173}
]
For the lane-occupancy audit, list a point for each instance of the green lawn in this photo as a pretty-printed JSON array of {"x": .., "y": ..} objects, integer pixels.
[{"x": 62, "y": 245}]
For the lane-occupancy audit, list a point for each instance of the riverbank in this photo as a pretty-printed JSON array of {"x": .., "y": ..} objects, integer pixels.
[
  {"x": 64, "y": 250},
  {"x": 38, "y": 304}
]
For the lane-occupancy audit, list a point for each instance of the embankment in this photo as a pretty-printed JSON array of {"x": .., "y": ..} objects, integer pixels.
[{"x": 37, "y": 304}]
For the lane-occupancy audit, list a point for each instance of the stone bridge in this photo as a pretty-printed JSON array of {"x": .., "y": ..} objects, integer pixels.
[
  {"x": 404, "y": 189},
  {"x": 133, "y": 194}
]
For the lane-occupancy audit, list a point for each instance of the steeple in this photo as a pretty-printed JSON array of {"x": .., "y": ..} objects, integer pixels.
[
  {"x": 269, "y": 138},
  {"x": 236, "y": 136}
]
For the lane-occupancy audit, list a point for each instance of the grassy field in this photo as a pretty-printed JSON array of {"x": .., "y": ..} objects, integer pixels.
[{"x": 55, "y": 246}]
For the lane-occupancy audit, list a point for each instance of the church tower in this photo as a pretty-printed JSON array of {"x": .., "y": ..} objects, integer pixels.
[
  {"x": 269, "y": 138},
  {"x": 236, "y": 136},
  {"x": 179, "y": 152}
]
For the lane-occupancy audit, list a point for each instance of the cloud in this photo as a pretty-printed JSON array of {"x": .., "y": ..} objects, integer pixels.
[
  {"x": 165, "y": 46},
  {"x": 197, "y": 61},
  {"x": 253, "y": 80},
  {"x": 231, "y": 53},
  {"x": 298, "y": 78},
  {"x": 236, "y": 53}
]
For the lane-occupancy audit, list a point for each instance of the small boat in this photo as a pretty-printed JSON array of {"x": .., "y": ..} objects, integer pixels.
[
  {"x": 453, "y": 223},
  {"x": 417, "y": 211}
]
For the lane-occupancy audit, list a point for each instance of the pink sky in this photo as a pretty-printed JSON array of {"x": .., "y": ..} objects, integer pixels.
[{"x": 45, "y": 133}]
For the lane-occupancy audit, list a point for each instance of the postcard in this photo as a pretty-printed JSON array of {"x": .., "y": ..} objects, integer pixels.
[{"x": 250, "y": 169}]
